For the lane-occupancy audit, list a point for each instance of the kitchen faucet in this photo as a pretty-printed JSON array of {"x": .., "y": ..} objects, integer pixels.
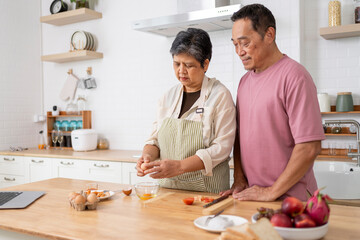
[{"x": 357, "y": 125}]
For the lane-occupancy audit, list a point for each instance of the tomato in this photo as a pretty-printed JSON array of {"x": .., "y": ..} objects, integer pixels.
[
  {"x": 188, "y": 201},
  {"x": 207, "y": 199}
]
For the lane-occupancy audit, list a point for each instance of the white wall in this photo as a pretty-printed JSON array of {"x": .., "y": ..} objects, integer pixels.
[
  {"x": 137, "y": 67},
  {"x": 333, "y": 64},
  {"x": 20, "y": 73}
]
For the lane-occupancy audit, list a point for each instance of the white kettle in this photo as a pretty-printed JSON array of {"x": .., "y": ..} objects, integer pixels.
[{"x": 324, "y": 102}]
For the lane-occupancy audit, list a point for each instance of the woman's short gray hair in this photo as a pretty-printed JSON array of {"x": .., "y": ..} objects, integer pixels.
[{"x": 195, "y": 42}]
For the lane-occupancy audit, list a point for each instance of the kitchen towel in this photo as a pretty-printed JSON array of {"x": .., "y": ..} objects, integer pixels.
[{"x": 69, "y": 88}]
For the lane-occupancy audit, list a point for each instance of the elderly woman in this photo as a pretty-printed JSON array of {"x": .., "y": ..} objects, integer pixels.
[{"x": 195, "y": 128}]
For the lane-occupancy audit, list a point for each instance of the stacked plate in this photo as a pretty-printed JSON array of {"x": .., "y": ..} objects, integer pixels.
[{"x": 81, "y": 40}]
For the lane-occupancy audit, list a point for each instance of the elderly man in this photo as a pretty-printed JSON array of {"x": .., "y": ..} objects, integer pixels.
[{"x": 279, "y": 128}]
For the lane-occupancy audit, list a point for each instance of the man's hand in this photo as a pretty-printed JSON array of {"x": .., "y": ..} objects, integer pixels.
[
  {"x": 237, "y": 187},
  {"x": 165, "y": 168},
  {"x": 255, "y": 193}
]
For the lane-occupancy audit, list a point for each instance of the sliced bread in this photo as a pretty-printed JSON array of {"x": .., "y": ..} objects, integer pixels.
[
  {"x": 229, "y": 236},
  {"x": 241, "y": 231},
  {"x": 263, "y": 230}
]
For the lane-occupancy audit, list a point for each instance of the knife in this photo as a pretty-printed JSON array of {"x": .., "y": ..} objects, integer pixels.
[{"x": 216, "y": 201}]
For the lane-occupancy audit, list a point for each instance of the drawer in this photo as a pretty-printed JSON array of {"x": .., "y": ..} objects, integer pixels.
[
  {"x": 13, "y": 165},
  {"x": 11, "y": 180},
  {"x": 105, "y": 171},
  {"x": 39, "y": 168}
]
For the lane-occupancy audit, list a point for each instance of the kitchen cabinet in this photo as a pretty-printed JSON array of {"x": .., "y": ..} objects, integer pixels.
[
  {"x": 70, "y": 168},
  {"x": 69, "y": 17},
  {"x": 85, "y": 116},
  {"x": 130, "y": 175},
  {"x": 351, "y": 30},
  {"x": 104, "y": 171},
  {"x": 39, "y": 168},
  {"x": 12, "y": 170},
  {"x": 231, "y": 176}
]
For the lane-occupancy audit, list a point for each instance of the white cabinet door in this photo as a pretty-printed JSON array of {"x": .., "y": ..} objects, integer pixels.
[
  {"x": 12, "y": 165},
  {"x": 39, "y": 168},
  {"x": 130, "y": 176},
  {"x": 231, "y": 176},
  {"x": 11, "y": 180},
  {"x": 104, "y": 171},
  {"x": 70, "y": 168},
  {"x": 12, "y": 170}
]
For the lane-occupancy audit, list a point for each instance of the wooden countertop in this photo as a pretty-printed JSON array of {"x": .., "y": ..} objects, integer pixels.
[
  {"x": 127, "y": 217},
  {"x": 100, "y": 155}
]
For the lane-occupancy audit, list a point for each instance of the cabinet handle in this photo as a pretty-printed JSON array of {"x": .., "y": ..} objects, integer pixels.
[
  {"x": 9, "y": 159},
  {"x": 9, "y": 179},
  {"x": 67, "y": 163},
  {"x": 101, "y": 165},
  {"x": 37, "y": 161}
]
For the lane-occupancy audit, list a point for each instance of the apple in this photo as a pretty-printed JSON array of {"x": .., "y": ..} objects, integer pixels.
[
  {"x": 304, "y": 221},
  {"x": 281, "y": 220},
  {"x": 292, "y": 206}
]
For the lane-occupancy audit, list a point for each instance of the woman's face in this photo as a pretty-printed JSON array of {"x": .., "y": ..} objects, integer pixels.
[{"x": 189, "y": 72}]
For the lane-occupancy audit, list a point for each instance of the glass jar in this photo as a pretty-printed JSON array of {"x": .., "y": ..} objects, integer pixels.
[
  {"x": 357, "y": 11},
  {"x": 57, "y": 125},
  {"x": 79, "y": 124},
  {"x": 73, "y": 125},
  {"x": 65, "y": 125},
  {"x": 334, "y": 9},
  {"x": 81, "y": 103}
]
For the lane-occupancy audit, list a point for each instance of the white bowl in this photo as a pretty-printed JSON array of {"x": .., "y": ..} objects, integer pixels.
[{"x": 299, "y": 233}]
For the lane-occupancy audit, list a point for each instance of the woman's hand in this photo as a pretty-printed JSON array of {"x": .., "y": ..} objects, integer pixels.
[
  {"x": 142, "y": 163},
  {"x": 165, "y": 168}
]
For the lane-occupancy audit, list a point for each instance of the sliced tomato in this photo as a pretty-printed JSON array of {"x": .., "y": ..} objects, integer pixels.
[
  {"x": 207, "y": 199},
  {"x": 188, "y": 201}
]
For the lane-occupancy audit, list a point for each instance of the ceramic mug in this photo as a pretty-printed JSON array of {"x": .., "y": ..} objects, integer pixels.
[
  {"x": 324, "y": 102},
  {"x": 344, "y": 102}
]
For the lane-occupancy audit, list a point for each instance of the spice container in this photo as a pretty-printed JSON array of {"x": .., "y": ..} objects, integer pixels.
[
  {"x": 334, "y": 10},
  {"x": 344, "y": 102},
  {"x": 357, "y": 11}
]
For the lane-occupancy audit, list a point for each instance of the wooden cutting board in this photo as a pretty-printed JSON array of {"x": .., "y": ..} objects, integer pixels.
[{"x": 174, "y": 202}]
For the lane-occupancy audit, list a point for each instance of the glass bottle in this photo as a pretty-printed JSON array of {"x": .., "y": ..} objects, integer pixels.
[
  {"x": 357, "y": 11},
  {"x": 41, "y": 144},
  {"x": 334, "y": 10},
  {"x": 81, "y": 103}
]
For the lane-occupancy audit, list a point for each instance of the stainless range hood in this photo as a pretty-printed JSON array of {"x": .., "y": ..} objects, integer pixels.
[{"x": 214, "y": 19}]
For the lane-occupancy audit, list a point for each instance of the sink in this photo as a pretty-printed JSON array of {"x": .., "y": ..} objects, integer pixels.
[{"x": 340, "y": 179}]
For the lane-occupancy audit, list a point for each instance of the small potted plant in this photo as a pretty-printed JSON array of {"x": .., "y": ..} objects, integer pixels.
[{"x": 81, "y": 3}]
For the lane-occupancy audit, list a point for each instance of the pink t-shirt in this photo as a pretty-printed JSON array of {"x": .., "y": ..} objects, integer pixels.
[{"x": 277, "y": 109}]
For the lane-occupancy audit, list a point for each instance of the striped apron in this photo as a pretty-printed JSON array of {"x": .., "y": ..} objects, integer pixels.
[{"x": 181, "y": 138}]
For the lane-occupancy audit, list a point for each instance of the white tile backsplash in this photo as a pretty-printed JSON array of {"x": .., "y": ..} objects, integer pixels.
[{"x": 137, "y": 67}]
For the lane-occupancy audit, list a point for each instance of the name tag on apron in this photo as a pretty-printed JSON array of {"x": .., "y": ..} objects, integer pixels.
[{"x": 200, "y": 110}]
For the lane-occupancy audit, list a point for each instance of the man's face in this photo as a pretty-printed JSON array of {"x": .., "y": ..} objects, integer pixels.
[{"x": 249, "y": 45}]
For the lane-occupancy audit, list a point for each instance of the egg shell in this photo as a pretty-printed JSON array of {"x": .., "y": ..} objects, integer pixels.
[
  {"x": 92, "y": 198},
  {"x": 127, "y": 192},
  {"x": 143, "y": 167},
  {"x": 80, "y": 199}
]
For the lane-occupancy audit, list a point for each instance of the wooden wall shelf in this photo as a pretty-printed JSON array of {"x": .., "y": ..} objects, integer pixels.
[
  {"x": 351, "y": 30},
  {"x": 340, "y": 153},
  {"x": 72, "y": 56},
  {"x": 72, "y": 16},
  {"x": 333, "y": 110},
  {"x": 85, "y": 116}
]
